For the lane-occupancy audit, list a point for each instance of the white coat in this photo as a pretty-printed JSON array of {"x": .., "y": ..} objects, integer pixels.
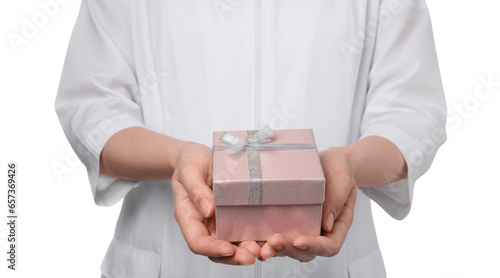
[{"x": 184, "y": 68}]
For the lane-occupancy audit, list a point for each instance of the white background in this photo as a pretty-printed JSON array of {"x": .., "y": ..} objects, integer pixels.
[{"x": 453, "y": 230}]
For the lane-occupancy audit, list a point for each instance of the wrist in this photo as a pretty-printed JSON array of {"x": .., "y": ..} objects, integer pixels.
[
  {"x": 375, "y": 160},
  {"x": 331, "y": 156},
  {"x": 345, "y": 151},
  {"x": 353, "y": 158},
  {"x": 175, "y": 149}
]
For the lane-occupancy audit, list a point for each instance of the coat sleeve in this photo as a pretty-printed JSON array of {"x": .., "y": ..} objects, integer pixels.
[
  {"x": 96, "y": 92},
  {"x": 405, "y": 101}
]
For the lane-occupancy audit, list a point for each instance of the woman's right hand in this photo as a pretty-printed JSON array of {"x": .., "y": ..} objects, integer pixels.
[
  {"x": 138, "y": 153},
  {"x": 194, "y": 209}
]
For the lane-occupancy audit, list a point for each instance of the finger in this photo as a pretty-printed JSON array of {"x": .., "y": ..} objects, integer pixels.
[
  {"x": 267, "y": 252},
  {"x": 210, "y": 246},
  {"x": 330, "y": 244},
  {"x": 196, "y": 182},
  {"x": 200, "y": 242},
  {"x": 273, "y": 246},
  {"x": 339, "y": 183},
  {"x": 242, "y": 256},
  {"x": 283, "y": 246},
  {"x": 210, "y": 178},
  {"x": 318, "y": 245},
  {"x": 344, "y": 220},
  {"x": 193, "y": 229},
  {"x": 251, "y": 246}
]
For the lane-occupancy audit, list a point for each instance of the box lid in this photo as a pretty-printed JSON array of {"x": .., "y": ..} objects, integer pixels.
[{"x": 289, "y": 176}]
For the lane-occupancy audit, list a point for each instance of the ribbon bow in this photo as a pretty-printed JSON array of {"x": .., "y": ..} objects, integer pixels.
[{"x": 254, "y": 142}]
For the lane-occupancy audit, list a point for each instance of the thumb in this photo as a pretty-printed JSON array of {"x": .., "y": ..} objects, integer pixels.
[
  {"x": 338, "y": 186},
  {"x": 197, "y": 186}
]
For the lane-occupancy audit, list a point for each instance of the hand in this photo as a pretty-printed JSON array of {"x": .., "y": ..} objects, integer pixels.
[
  {"x": 338, "y": 211},
  {"x": 194, "y": 209}
]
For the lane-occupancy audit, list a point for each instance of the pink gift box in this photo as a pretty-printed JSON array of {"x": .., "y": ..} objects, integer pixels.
[{"x": 269, "y": 187}]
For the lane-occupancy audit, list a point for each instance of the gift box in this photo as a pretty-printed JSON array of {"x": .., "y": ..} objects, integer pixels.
[{"x": 266, "y": 182}]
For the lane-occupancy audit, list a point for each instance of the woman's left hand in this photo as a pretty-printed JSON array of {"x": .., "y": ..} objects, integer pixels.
[{"x": 338, "y": 211}]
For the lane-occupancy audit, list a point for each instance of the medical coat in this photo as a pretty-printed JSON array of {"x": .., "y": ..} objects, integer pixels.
[{"x": 185, "y": 68}]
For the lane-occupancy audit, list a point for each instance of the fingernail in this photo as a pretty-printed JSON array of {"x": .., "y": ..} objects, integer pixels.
[
  {"x": 300, "y": 246},
  {"x": 277, "y": 247},
  {"x": 329, "y": 221},
  {"x": 226, "y": 255},
  {"x": 205, "y": 207}
]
